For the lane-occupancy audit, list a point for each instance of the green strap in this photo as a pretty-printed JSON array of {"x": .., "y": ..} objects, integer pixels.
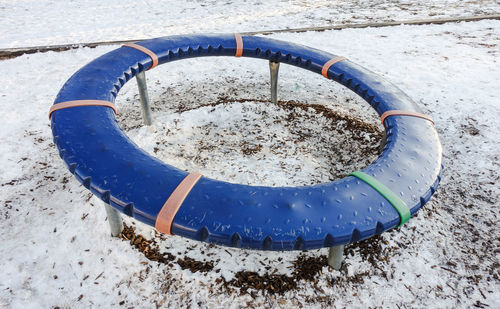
[{"x": 391, "y": 197}]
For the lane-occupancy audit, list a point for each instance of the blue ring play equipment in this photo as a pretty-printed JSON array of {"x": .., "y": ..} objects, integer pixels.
[{"x": 356, "y": 207}]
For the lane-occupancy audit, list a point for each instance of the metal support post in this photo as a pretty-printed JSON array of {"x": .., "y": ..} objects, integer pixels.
[
  {"x": 274, "y": 68},
  {"x": 336, "y": 256},
  {"x": 114, "y": 219},
  {"x": 143, "y": 93}
]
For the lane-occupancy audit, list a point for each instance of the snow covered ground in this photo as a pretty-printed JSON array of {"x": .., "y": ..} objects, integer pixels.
[
  {"x": 54, "y": 241},
  {"x": 47, "y": 22}
]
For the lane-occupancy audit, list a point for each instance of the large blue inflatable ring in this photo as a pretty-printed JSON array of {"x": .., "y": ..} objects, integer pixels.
[{"x": 380, "y": 197}]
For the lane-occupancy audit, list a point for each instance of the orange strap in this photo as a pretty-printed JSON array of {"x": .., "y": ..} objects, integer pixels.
[
  {"x": 404, "y": 113},
  {"x": 169, "y": 210},
  {"x": 75, "y": 103},
  {"x": 148, "y": 52},
  {"x": 239, "y": 44},
  {"x": 329, "y": 63}
]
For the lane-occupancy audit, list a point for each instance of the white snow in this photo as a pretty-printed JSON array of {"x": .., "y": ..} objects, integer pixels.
[
  {"x": 54, "y": 241},
  {"x": 46, "y": 22}
]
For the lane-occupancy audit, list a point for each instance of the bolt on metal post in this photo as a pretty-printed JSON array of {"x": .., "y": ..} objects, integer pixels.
[
  {"x": 274, "y": 69},
  {"x": 143, "y": 93},
  {"x": 114, "y": 219},
  {"x": 336, "y": 256}
]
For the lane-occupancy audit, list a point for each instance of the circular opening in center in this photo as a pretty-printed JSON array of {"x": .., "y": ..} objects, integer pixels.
[
  {"x": 240, "y": 137},
  {"x": 260, "y": 143}
]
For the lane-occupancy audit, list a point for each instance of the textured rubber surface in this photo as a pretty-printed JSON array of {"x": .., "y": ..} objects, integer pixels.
[
  {"x": 108, "y": 163},
  {"x": 391, "y": 197}
]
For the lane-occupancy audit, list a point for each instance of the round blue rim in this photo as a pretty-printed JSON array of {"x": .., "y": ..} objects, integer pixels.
[{"x": 110, "y": 165}]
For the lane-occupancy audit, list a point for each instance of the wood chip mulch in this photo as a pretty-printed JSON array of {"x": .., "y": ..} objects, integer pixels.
[{"x": 151, "y": 251}]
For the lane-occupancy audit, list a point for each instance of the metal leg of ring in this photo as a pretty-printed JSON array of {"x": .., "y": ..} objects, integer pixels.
[
  {"x": 274, "y": 68},
  {"x": 336, "y": 256},
  {"x": 114, "y": 219},
  {"x": 143, "y": 93}
]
